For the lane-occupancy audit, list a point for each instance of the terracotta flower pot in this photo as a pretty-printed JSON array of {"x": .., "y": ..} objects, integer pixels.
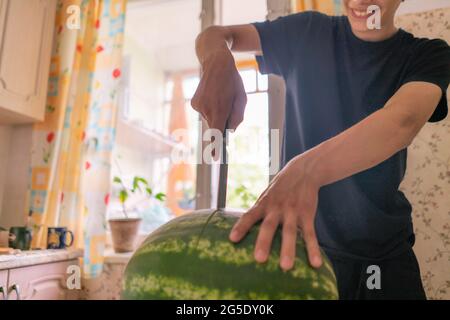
[{"x": 124, "y": 233}]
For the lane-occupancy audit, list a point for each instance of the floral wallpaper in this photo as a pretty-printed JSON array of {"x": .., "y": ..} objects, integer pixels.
[
  {"x": 106, "y": 287},
  {"x": 427, "y": 180}
]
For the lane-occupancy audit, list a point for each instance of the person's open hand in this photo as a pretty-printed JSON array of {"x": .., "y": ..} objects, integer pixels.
[
  {"x": 220, "y": 95},
  {"x": 291, "y": 200}
]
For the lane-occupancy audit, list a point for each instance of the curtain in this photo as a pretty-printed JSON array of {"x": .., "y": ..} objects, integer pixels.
[{"x": 71, "y": 149}]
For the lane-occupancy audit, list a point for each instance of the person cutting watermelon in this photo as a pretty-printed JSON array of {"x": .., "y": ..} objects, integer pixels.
[{"x": 356, "y": 98}]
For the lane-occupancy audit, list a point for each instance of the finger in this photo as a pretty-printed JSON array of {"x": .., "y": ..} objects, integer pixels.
[
  {"x": 195, "y": 102},
  {"x": 218, "y": 121},
  {"x": 200, "y": 110},
  {"x": 204, "y": 116},
  {"x": 244, "y": 224},
  {"x": 197, "y": 97},
  {"x": 237, "y": 113},
  {"x": 312, "y": 246},
  {"x": 265, "y": 237},
  {"x": 214, "y": 123},
  {"x": 289, "y": 238}
]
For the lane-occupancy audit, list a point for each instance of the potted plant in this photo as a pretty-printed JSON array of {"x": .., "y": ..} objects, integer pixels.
[
  {"x": 243, "y": 197},
  {"x": 124, "y": 230}
]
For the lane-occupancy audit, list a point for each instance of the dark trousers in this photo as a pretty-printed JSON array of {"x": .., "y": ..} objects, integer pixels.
[{"x": 391, "y": 279}]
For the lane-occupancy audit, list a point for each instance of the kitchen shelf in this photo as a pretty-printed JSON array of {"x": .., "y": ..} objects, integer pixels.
[{"x": 133, "y": 136}]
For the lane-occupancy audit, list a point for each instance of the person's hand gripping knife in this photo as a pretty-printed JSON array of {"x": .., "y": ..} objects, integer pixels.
[{"x": 291, "y": 198}]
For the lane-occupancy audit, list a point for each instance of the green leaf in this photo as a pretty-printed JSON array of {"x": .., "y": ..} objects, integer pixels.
[
  {"x": 136, "y": 183},
  {"x": 123, "y": 195},
  {"x": 149, "y": 191},
  {"x": 160, "y": 196},
  {"x": 117, "y": 180}
]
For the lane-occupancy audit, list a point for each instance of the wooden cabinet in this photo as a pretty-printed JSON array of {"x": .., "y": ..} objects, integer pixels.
[
  {"x": 40, "y": 282},
  {"x": 3, "y": 284},
  {"x": 26, "y": 34}
]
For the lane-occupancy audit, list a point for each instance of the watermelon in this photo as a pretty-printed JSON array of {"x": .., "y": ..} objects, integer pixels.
[{"x": 191, "y": 258}]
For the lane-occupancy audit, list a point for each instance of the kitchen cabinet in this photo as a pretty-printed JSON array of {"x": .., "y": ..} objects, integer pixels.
[
  {"x": 3, "y": 284},
  {"x": 26, "y": 35},
  {"x": 40, "y": 282},
  {"x": 40, "y": 275}
]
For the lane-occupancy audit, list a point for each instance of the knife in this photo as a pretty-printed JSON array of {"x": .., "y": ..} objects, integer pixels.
[{"x": 223, "y": 173}]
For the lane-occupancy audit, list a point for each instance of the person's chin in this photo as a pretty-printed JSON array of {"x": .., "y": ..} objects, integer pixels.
[{"x": 359, "y": 26}]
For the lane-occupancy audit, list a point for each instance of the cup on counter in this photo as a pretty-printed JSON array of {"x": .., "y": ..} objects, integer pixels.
[
  {"x": 4, "y": 238},
  {"x": 20, "y": 238},
  {"x": 57, "y": 238}
]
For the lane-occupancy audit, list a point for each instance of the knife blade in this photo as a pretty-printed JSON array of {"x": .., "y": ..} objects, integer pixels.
[{"x": 223, "y": 173}]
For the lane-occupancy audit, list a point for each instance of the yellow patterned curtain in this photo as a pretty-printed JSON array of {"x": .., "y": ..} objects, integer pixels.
[{"x": 69, "y": 184}]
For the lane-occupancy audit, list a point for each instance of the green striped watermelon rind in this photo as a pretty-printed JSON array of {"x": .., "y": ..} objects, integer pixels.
[{"x": 214, "y": 268}]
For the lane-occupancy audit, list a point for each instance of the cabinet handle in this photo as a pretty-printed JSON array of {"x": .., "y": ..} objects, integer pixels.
[
  {"x": 2, "y": 291},
  {"x": 15, "y": 287}
]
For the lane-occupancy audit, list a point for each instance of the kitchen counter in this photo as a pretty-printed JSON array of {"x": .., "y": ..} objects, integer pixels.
[{"x": 33, "y": 257}]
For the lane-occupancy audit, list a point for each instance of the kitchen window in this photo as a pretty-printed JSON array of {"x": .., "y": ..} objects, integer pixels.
[{"x": 160, "y": 74}]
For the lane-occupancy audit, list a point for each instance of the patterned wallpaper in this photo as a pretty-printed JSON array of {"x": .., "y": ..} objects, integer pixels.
[
  {"x": 108, "y": 285},
  {"x": 427, "y": 180}
]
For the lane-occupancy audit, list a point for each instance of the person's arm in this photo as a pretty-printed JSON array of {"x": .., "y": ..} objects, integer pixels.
[
  {"x": 237, "y": 38},
  {"x": 220, "y": 95},
  {"x": 377, "y": 137},
  {"x": 291, "y": 198}
]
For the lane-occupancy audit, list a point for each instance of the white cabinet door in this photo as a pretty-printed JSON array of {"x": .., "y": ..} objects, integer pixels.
[
  {"x": 42, "y": 282},
  {"x": 26, "y": 34},
  {"x": 3, "y": 284}
]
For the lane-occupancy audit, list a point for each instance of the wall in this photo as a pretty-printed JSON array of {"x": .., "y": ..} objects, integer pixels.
[
  {"x": 5, "y": 137},
  {"x": 15, "y": 158},
  {"x": 413, "y": 6},
  {"x": 427, "y": 180},
  {"x": 146, "y": 79},
  {"x": 109, "y": 285}
]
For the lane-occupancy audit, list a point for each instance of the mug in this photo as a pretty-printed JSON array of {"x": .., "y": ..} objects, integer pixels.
[
  {"x": 57, "y": 238},
  {"x": 4, "y": 238},
  {"x": 20, "y": 238}
]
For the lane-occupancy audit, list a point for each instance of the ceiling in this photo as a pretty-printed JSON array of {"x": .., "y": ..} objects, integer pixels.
[{"x": 167, "y": 28}]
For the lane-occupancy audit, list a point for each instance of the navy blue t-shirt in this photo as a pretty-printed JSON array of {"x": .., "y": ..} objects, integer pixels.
[{"x": 334, "y": 80}]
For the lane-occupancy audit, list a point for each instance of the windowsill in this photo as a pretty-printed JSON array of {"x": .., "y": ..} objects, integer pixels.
[{"x": 112, "y": 257}]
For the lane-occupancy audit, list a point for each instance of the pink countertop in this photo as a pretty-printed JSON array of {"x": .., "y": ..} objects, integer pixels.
[{"x": 33, "y": 257}]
